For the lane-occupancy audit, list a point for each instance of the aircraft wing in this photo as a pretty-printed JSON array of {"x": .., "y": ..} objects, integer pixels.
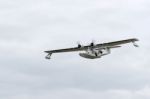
[
  {"x": 66, "y": 50},
  {"x": 103, "y": 45},
  {"x": 116, "y": 43}
]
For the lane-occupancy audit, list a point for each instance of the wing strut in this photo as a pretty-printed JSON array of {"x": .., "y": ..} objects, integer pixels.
[
  {"x": 48, "y": 56},
  {"x": 136, "y": 45}
]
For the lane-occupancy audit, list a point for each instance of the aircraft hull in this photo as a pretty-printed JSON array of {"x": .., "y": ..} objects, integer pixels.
[{"x": 88, "y": 56}]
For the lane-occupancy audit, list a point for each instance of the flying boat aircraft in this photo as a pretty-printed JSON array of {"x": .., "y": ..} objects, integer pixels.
[{"x": 93, "y": 50}]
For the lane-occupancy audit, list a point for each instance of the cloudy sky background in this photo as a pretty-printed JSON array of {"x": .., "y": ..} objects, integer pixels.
[{"x": 28, "y": 27}]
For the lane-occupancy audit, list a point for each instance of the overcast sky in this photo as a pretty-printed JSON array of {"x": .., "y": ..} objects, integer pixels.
[{"x": 28, "y": 27}]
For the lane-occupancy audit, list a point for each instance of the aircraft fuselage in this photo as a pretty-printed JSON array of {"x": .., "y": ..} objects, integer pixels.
[{"x": 94, "y": 53}]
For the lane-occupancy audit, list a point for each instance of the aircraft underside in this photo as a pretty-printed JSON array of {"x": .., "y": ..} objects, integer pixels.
[
  {"x": 95, "y": 53},
  {"x": 89, "y": 56},
  {"x": 91, "y": 53}
]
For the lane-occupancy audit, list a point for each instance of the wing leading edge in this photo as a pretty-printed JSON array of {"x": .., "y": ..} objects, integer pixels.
[
  {"x": 66, "y": 50},
  {"x": 115, "y": 43},
  {"x": 102, "y": 45}
]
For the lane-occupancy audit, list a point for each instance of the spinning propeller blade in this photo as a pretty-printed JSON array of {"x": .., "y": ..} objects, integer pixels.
[{"x": 79, "y": 45}]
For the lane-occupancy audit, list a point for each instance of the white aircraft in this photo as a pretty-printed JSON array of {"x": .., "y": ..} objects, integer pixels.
[{"x": 94, "y": 51}]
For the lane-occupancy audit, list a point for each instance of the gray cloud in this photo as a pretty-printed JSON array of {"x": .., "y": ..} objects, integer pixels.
[{"x": 29, "y": 27}]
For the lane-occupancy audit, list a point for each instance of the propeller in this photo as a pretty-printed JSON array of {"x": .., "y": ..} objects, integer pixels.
[
  {"x": 79, "y": 45},
  {"x": 92, "y": 43}
]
